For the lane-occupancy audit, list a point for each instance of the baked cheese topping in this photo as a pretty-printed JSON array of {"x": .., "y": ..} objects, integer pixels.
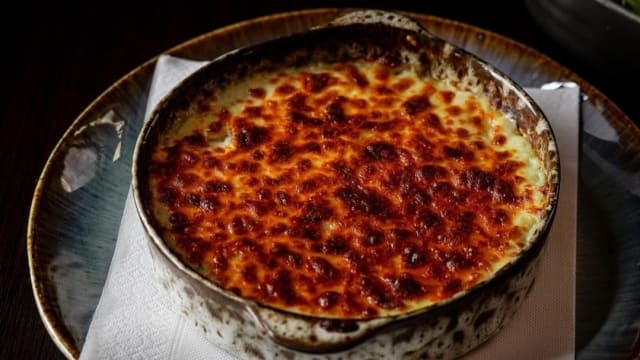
[{"x": 345, "y": 190}]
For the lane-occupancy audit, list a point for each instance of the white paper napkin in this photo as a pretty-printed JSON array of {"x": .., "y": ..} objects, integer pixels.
[{"x": 134, "y": 320}]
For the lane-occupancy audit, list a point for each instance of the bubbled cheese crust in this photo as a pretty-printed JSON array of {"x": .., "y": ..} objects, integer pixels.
[{"x": 345, "y": 190}]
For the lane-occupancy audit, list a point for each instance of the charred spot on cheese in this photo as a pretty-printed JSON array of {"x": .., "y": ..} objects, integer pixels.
[
  {"x": 381, "y": 151},
  {"x": 315, "y": 82},
  {"x": 366, "y": 201},
  {"x": 247, "y": 135},
  {"x": 345, "y": 190},
  {"x": 416, "y": 105}
]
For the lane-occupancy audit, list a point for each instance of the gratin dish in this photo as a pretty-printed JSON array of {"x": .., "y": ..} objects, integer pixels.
[{"x": 445, "y": 329}]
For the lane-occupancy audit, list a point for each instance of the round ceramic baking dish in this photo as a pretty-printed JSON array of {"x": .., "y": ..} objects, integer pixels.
[{"x": 446, "y": 329}]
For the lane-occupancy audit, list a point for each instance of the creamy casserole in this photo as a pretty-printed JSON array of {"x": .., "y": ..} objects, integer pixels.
[{"x": 345, "y": 190}]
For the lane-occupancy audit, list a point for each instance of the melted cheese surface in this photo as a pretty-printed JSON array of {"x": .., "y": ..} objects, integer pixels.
[{"x": 345, "y": 190}]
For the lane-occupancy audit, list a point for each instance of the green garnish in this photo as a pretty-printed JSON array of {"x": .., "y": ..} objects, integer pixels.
[{"x": 632, "y": 4}]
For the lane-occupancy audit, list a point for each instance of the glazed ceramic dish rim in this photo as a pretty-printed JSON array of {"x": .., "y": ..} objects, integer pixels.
[
  {"x": 148, "y": 137},
  {"x": 52, "y": 319}
]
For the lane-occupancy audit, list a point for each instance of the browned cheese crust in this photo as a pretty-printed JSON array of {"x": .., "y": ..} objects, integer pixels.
[{"x": 342, "y": 190}]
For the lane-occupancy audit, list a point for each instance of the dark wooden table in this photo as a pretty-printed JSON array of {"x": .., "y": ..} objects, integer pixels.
[{"x": 58, "y": 60}]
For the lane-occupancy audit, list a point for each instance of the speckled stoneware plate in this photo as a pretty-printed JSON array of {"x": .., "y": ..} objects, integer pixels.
[{"x": 81, "y": 193}]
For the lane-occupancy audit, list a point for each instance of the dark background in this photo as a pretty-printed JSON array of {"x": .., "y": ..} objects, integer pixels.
[{"x": 57, "y": 60}]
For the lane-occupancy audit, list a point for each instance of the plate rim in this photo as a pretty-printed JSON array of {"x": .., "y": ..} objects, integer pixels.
[{"x": 628, "y": 130}]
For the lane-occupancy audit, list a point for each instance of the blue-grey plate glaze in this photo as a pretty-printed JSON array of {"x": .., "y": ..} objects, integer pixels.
[{"x": 81, "y": 193}]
